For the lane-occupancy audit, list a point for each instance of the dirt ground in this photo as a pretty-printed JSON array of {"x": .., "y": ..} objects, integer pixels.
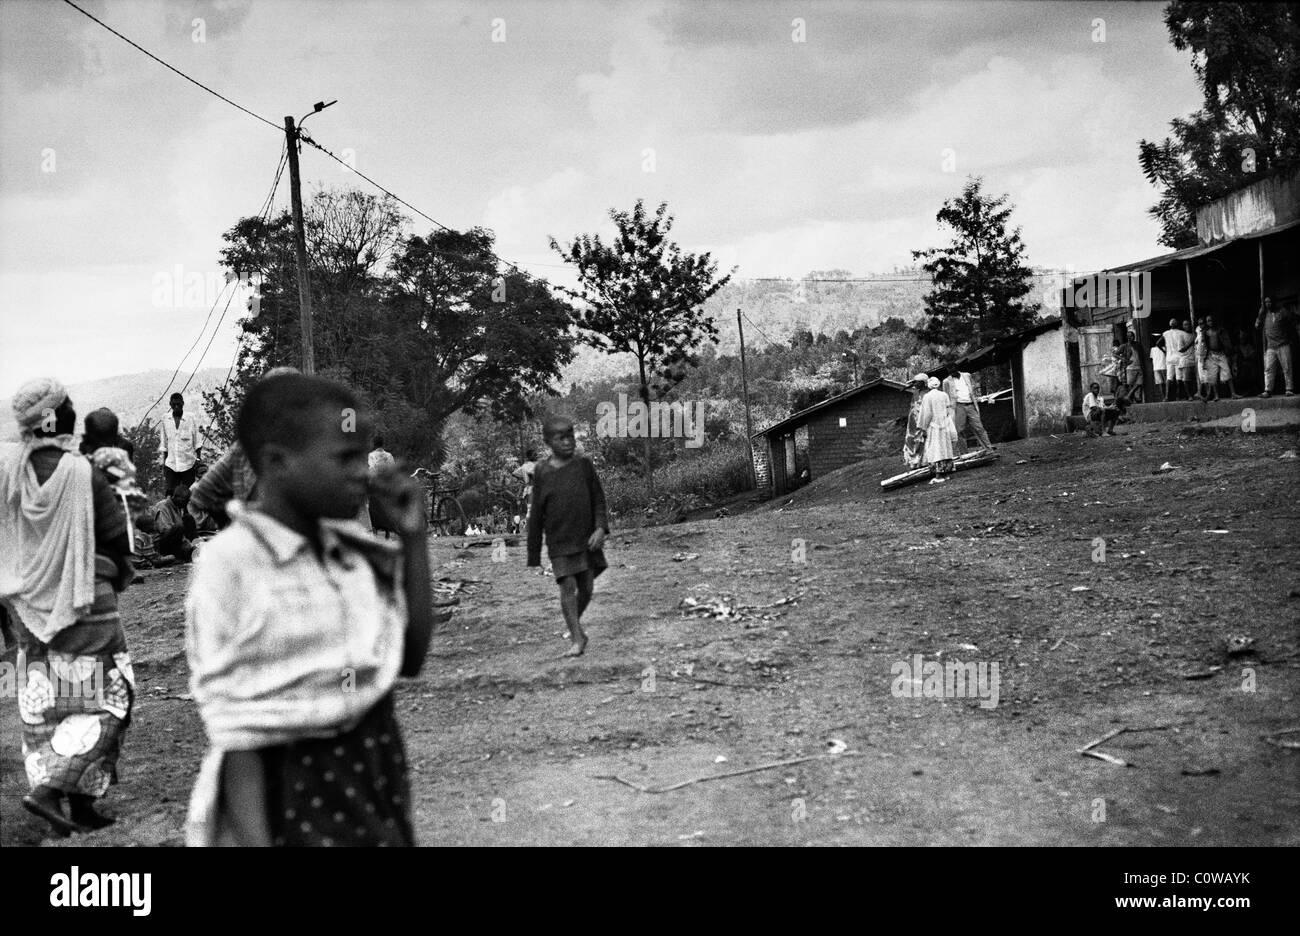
[{"x": 508, "y": 744}]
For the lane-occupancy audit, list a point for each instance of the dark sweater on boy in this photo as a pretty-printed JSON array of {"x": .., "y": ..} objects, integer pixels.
[{"x": 569, "y": 504}]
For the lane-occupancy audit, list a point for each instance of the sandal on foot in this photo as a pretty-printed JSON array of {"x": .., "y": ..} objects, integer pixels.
[{"x": 60, "y": 823}]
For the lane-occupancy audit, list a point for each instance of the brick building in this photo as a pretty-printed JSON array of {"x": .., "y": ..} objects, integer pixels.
[{"x": 828, "y": 435}]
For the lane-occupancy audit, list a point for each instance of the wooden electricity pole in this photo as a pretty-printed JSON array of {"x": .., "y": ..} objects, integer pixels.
[
  {"x": 744, "y": 389},
  {"x": 300, "y": 248}
]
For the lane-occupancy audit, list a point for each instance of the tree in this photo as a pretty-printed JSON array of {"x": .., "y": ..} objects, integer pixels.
[
  {"x": 421, "y": 327},
  {"x": 1245, "y": 60},
  {"x": 645, "y": 296},
  {"x": 980, "y": 279},
  {"x": 474, "y": 338}
]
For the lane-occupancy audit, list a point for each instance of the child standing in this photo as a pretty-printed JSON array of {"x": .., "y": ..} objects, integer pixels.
[
  {"x": 569, "y": 504},
  {"x": 298, "y": 623}
]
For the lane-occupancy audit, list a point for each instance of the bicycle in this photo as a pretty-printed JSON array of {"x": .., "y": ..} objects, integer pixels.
[{"x": 446, "y": 515}]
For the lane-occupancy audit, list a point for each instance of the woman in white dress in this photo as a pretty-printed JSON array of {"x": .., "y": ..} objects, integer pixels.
[{"x": 940, "y": 429}]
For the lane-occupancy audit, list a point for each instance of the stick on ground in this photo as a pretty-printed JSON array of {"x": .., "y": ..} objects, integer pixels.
[{"x": 730, "y": 773}]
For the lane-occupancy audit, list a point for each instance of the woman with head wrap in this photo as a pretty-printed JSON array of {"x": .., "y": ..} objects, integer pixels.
[
  {"x": 940, "y": 429},
  {"x": 914, "y": 439},
  {"x": 63, "y": 559}
]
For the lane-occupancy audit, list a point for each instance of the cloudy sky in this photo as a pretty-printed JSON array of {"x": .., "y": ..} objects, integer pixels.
[{"x": 778, "y": 155}]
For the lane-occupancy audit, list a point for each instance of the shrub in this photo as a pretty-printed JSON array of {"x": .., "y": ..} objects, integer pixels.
[{"x": 714, "y": 473}]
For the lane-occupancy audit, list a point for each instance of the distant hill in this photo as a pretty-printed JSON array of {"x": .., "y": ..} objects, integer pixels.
[
  {"x": 774, "y": 310},
  {"x": 128, "y": 395}
]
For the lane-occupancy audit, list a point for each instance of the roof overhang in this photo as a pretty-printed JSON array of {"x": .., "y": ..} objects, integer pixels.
[{"x": 796, "y": 419}]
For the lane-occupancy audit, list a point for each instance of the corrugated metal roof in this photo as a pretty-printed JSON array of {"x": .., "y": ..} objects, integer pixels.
[
  {"x": 803, "y": 415},
  {"x": 1002, "y": 349},
  {"x": 1191, "y": 253}
]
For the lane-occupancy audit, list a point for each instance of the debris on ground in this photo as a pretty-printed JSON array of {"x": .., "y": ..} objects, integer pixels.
[
  {"x": 1088, "y": 750},
  {"x": 723, "y": 608},
  {"x": 685, "y": 556},
  {"x": 1290, "y": 744},
  {"x": 1166, "y": 467},
  {"x": 1203, "y": 674},
  {"x": 1289, "y": 453},
  {"x": 1239, "y": 644},
  {"x": 721, "y": 776}
]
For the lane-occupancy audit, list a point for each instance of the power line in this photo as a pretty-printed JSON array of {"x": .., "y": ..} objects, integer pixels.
[
  {"x": 267, "y": 202},
  {"x": 179, "y": 365},
  {"x": 397, "y": 198},
  {"x": 265, "y": 216},
  {"x": 759, "y": 330},
  {"x": 278, "y": 129},
  {"x": 265, "y": 213},
  {"x": 211, "y": 338}
]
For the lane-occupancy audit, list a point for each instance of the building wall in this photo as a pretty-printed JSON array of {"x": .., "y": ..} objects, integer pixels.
[
  {"x": 762, "y": 465},
  {"x": 832, "y": 446},
  {"x": 1046, "y": 377},
  {"x": 1258, "y": 207}
]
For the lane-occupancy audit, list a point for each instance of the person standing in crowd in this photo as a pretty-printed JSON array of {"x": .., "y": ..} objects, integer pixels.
[
  {"x": 180, "y": 445},
  {"x": 914, "y": 436},
  {"x": 1277, "y": 326},
  {"x": 960, "y": 387},
  {"x": 1188, "y": 371},
  {"x": 1113, "y": 366},
  {"x": 1245, "y": 362},
  {"x": 63, "y": 560},
  {"x": 379, "y": 461},
  {"x": 1216, "y": 346},
  {"x": 1134, "y": 392},
  {"x": 1158, "y": 366},
  {"x": 525, "y": 473},
  {"x": 102, "y": 432},
  {"x": 1177, "y": 342},
  {"x": 940, "y": 431},
  {"x": 231, "y": 478}
]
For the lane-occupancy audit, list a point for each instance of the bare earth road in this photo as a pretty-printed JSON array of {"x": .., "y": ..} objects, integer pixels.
[{"x": 508, "y": 743}]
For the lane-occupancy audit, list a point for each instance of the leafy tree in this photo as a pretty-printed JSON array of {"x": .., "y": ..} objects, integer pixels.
[
  {"x": 474, "y": 339},
  {"x": 1245, "y": 59},
  {"x": 421, "y": 327},
  {"x": 148, "y": 473},
  {"x": 980, "y": 279},
  {"x": 645, "y": 296}
]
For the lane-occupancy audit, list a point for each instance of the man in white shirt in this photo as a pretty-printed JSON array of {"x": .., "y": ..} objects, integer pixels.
[
  {"x": 1178, "y": 344},
  {"x": 960, "y": 388},
  {"x": 180, "y": 445}
]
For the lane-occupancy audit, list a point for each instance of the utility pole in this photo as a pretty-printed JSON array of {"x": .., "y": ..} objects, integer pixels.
[
  {"x": 300, "y": 248},
  {"x": 744, "y": 387}
]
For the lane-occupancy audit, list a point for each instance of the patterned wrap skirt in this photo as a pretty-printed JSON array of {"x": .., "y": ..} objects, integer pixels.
[
  {"x": 351, "y": 789},
  {"x": 75, "y": 698}
]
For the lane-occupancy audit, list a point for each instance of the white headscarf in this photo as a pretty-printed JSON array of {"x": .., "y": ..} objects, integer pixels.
[{"x": 35, "y": 403}]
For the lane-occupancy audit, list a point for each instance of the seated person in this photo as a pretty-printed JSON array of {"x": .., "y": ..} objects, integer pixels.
[
  {"x": 1096, "y": 410},
  {"x": 174, "y": 526}
]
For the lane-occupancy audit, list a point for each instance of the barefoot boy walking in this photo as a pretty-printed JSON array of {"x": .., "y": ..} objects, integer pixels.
[
  {"x": 298, "y": 624},
  {"x": 569, "y": 504}
]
